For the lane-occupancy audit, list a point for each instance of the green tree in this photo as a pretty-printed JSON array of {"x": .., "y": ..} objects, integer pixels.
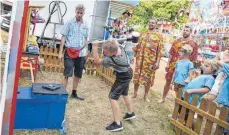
[{"x": 166, "y": 9}]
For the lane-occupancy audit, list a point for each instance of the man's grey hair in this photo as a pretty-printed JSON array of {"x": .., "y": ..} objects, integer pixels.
[
  {"x": 188, "y": 26},
  {"x": 80, "y": 6},
  {"x": 110, "y": 45}
]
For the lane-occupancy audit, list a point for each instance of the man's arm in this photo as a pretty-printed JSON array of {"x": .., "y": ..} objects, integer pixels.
[
  {"x": 167, "y": 66},
  {"x": 195, "y": 53},
  {"x": 135, "y": 49},
  {"x": 86, "y": 46},
  {"x": 159, "y": 53},
  {"x": 136, "y": 46},
  {"x": 62, "y": 42},
  {"x": 86, "y": 43},
  {"x": 171, "y": 52},
  {"x": 64, "y": 33}
]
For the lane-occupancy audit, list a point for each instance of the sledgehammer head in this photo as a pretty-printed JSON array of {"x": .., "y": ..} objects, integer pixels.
[{"x": 135, "y": 37}]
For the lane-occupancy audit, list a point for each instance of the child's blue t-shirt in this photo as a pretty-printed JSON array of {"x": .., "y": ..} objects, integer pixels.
[
  {"x": 182, "y": 71},
  {"x": 223, "y": 96},
  {"x": 198, "y": 83}
]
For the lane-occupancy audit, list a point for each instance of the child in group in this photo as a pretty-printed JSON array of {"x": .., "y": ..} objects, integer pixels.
[
  {"x": 223, "y": 96},
  {"x": 203, "y": 83},
  {"x": 118, "y": 59},
  {"x": 211, "y": 96},
  {"x": 129, "y": 46},
  {"x": 184, "y": 68},
  {"x": 115, "y": 34}
]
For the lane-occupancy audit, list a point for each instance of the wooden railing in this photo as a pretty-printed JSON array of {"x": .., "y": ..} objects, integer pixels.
[
  {"x": 192, "y": 126},
  {"x": 106, "y": 74},
  {"x": 90, "y": 67},
  {"x": 51, "y": 61},
  {"x": 53, "y": 64}
]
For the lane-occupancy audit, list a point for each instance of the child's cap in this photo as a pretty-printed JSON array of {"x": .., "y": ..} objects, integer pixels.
[{"x": 187, "y": 48}]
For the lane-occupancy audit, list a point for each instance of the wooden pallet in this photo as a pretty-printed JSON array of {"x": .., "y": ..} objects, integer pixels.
[
  {"x": 106, "y": 74},
  {"x": 90, "y": 67},
  {"x": 53, "y": 64},
  {"x": 51, "y": 61}
]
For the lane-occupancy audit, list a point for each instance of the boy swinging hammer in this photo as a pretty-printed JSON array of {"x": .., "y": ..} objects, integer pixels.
[{"x": 117, "y": 58}]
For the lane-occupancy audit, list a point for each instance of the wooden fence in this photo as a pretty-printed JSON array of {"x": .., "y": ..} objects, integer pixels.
[
  {"x": 106, "y": 74},
  {"x": 90, "y": 67},
  {"x": 51, "y": 61},
  {"x": 53, "y": 64},
  {"x": 205, "y": 120}
]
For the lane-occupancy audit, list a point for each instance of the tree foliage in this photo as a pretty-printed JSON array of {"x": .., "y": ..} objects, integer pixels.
[{"x": 166, "y": 9}]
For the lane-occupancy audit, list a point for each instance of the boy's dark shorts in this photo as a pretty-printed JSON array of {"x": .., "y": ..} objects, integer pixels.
[
  {"x": 73, "y": 65},
  {"x": 121, "y": 84}
]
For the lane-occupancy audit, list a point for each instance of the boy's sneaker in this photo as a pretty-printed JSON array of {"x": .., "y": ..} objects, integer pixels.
[
  {"x": 196, "y": 116},
  {"x": 129, "y": 116},
  {"x": 170, "y": 116},
  {"x": 114, "y": 127}
]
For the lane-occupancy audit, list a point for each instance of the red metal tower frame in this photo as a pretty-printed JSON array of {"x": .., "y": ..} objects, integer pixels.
[{"x": 19, "y": 13}]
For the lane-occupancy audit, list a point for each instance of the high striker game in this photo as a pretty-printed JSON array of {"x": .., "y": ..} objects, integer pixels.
[{"x": 12, "y": 67}]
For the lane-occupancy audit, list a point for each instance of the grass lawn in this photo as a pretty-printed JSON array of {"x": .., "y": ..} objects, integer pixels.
[{"x": 91, "y": 116}]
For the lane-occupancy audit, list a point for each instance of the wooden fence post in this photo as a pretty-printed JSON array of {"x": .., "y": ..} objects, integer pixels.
[
  {"x": 209, "y": 123},
  {"x": 222, "y": 116},
  {"x": 182, "y": 113},
  {"x": 199, "y": 120},
  {"x": 191, "y": 113}
]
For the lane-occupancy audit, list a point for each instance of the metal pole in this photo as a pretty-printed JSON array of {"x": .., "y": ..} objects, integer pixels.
[
  {"x": 0, "y": 71},
  {"x": 119, "y": 40},
  {"x": 108, "y": 24},
  {"x": 12, "y": 66}
]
